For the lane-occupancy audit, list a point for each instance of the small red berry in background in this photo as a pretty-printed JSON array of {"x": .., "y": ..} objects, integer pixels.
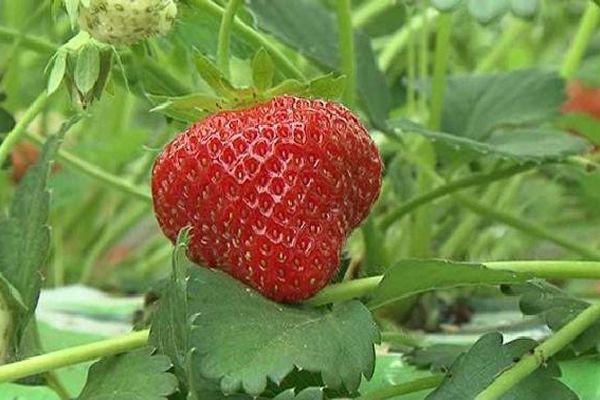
[
  {"x": 23, "y": 156},
  {"x": 271, "y": 192},
  {"x": 582, "y": 99}
]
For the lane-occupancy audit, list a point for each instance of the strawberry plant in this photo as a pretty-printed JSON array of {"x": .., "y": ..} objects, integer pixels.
[{"x": 308, "y": 199}]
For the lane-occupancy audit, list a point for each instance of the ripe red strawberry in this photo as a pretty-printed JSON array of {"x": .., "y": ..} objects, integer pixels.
[{"x": 271, "y": 192}]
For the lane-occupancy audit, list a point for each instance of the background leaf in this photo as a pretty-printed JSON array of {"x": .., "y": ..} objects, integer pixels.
[
  {"x": 557, "y": 308},
  {"x": 263, "y": 70},
  {"x": 59, "y": 67},
  {"x": 87, "y": 68},
  {"x": 477, "y": 105},
  {"x": 522, "y": 145},
  {"x": 303, "y": 24},
  {"x": 445, "y": 5},
  {"x": 130, "y": 376},
  {"x": 410, "y": 277},
  {"x": 475, "y": 370},
  {"x": 24, "y": 241},
  {"x": 524, "y": 8},
  {"x": 485, "y": 11}
]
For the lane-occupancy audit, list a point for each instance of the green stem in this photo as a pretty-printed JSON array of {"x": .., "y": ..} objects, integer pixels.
[
  {"x": 72, "y": 355},
  {"x": 397, "y": 42},
  {"x": 539, "y": 269},
  {"x": 225, "y": 35},
  {"x": 346, "y": 43},
  {"x": 253, "y": 38},
  {"x": 531, "y": 362},
  {"x": 95, "y": 172},
  {"x": 506, "y": 42},
  {"x": 57, "y": 386},
  {"x": 438, "y": 84},
  {"x": 36, "y": 44},
  {"x": 369, "y": 10},
  {"x": 586, "y": 29},
  {"x": 550, "y": 269},
  {"x": 417, "y": 385},
  {"x": 423, "y": 222},
  {"x": 527, "y": 227},
  {"x": 344, "y": 291},
  {"x": 411, "y": 69},
  {"x": 451, "y": 187},
  {"x": 108, "y": 237},
  {"x": 17, "y": 132},
  {"x": 459, "y": 240}
]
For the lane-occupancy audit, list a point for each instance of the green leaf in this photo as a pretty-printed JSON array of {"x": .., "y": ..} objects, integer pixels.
[
  {"x": 477, "y": 105},
  {"x": 130, "y": 376},
  {"x": 241, "y": 351},
  {"x": 522, "y": 145},
  {"x": 169, "y": 331},
  {"x": 263, "y": 70},
  {"x": 582, "y": 376},
  {"x": 303, "y": 25},
  {"x": 194, "y": 107},
  {"x": 233, "y": 347},
  {"x": 524, "y": 8},
  {"x": 57, "y": 72},
  {"x": 311, "y": 393},
  {"x": 72, "y": 7},
  {"x": 87, "y": 68},
  {"x": 24, "y": 241},
  {"x": 437, "y": 357},
  {"x": 188, "y": 108},
  {"x": 557, "y": 308},
  {"x": 475, "y": 370},
  {"x": 392, "y": 370},
  {"x": 7, "y": 122},
  {"x": 215, "y": 78},
  {"x": 445, "y": 5},
  {"x": 327, "y": 87},
  {"x": 22, "y": 392},
  {"x": 583, "y": 124},
  {"x": 485, "y": 11},
  {"x": 410, "y": 277}
]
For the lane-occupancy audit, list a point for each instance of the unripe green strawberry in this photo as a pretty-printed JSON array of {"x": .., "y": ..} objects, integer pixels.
[
  {"x": 271, "y": 192},
  {"x": 124, "y": 22}
]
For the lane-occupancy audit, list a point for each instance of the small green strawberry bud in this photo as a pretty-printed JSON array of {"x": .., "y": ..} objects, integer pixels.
[{"x": 125, "y": 22}]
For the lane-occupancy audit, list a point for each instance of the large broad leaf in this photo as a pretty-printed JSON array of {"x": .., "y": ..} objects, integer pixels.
[
  {"x": 477, "y": 105},
  {"x": 410, "y": 277},
  {"x": 242, "y": 351},
  {"x": 130, "y": 376},
  {"x": 521, "y": 145},
  {"x": 302, "y": 24},
  {"x": 22, "y": 392},
  {"x": 24, "y": 243},
  {"x": 582, "y": 376},
  {"x": 475, "y": 370},
  {"x": 557, "y": 308},
  {"x": 248, "y": 341}
]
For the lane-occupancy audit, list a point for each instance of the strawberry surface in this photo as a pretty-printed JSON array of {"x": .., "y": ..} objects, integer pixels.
[{"x": 271, "y": 192}]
